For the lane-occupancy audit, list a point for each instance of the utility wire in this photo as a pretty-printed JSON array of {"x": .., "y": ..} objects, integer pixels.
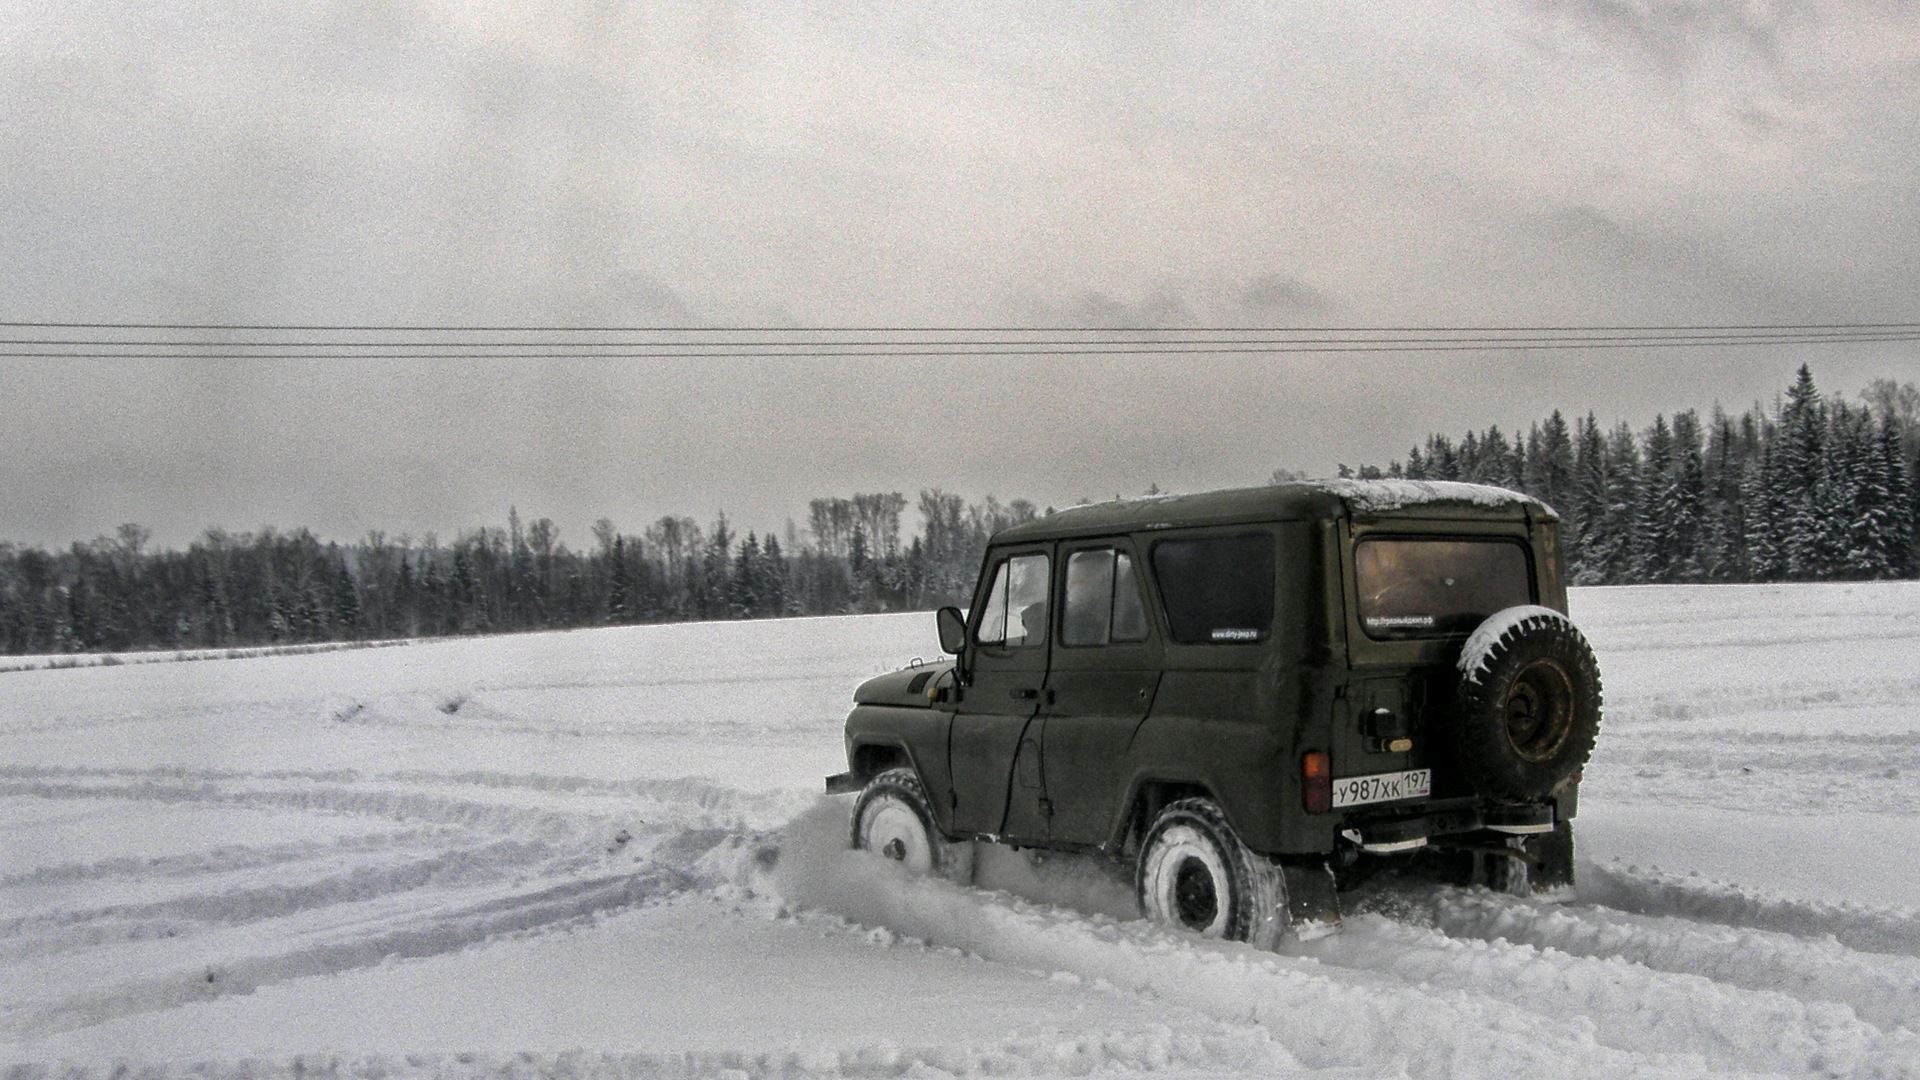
[
  {"x": 445, "y": 328},
  {"x": 1736, "y": 338},
  {"x": 909, "y": 354},
  {"x": 109, "y": 341}
]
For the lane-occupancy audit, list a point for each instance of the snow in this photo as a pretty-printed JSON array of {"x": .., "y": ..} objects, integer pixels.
[
  {"x": 1378, "y": 496},
  {"x": 604, "y": 853},
  {"x": 1477, "y": 653}
]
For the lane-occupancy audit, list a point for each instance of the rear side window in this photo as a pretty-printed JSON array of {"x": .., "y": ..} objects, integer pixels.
[
  {"x": 1103, "y": 600},
  {"x": 1218, "y": 590},
  {"x": 1431, "y": 587}
]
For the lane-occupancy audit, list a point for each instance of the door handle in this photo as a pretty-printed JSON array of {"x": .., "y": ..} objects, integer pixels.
[{"x": 1023, "y": 693}]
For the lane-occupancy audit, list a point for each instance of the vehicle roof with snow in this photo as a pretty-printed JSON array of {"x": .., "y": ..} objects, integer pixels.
[{"x": 1302, "y": 500}]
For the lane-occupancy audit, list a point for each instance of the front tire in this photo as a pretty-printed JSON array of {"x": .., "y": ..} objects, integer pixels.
[
  {"x": 1195, "y": 873},
  {"x": 894, "y": 820}
]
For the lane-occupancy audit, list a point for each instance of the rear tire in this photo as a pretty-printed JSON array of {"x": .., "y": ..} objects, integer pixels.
[
  {"x": 1507, "y": 874},
  {"x": 1546, "y": 870},
  {"x": 1195, "y": 873},
  {"x": 894, "y": 819}
]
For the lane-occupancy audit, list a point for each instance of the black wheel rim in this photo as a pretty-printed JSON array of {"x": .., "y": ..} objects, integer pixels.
[
  {"x": 1539, "y": 711},
  {"x": 1195, "y": 901}
]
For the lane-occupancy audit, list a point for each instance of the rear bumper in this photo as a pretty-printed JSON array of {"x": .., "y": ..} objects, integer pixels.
[
  {"x": 1407, "y": 832},
  {"x": 843, "y": 784}
]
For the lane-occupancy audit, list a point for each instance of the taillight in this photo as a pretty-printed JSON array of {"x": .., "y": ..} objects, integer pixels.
[{"x": 1316, "y": 781}]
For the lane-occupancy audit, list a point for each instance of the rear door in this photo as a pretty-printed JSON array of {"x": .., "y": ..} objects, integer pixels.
[
  {"x": 1105, "y": 668},
  {"x": 1419, "y": 588}
]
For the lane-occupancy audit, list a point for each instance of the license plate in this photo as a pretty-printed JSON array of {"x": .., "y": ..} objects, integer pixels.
[{"x": 1382, "y": 787}]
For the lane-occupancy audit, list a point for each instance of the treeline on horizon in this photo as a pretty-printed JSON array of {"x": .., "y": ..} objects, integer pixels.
[
  {"x": 1811, "y": 489},
  {"x": 272, "y": 587}
]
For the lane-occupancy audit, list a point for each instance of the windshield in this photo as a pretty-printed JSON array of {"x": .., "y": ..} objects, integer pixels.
[{"x": 1431, "y": 588}]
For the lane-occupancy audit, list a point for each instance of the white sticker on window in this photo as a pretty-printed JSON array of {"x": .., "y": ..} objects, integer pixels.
[
  {"x": 1235, "y": 633},
  {"x": 1395, "y": 622}
]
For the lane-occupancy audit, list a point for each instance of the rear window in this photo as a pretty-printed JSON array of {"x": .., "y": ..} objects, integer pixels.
[
  {"x": 1218, "y": 590},
  {"x": 1432, "y": 588}
]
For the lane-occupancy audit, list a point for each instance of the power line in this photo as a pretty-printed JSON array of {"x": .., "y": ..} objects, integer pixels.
[
  {"x": 902, "y": 329},
  {"x": 985, "y": 354},
  {"x": 926, "y": 330},
  {"x": 258, "y": 342},
  {"x": 1623, "y": 338}
]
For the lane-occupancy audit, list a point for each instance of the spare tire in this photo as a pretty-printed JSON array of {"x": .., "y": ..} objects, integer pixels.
[{"x": 1528, "y": 710}]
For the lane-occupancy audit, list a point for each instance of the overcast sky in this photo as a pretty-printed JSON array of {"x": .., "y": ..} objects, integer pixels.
[{"x": 1594, "y": 162}]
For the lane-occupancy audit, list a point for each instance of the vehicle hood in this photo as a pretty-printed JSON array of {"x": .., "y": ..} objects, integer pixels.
[{"x": 908, "y": 686}]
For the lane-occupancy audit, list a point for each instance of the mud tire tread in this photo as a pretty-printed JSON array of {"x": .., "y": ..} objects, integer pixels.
[
  {"x": 951, "y": 859},
  {"x": 1483, "y": 748},
  {"x": 1257, "y": 900}
]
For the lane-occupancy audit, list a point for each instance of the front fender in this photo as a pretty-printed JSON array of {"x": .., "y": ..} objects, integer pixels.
[{"x": 881, "y": 736}]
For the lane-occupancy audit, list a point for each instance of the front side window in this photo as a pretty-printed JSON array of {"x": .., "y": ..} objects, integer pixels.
[
  {"x": 1218, "y": 590},
  {"x": 1417, "y": 588},
  {"x": 1015, "y": 612},
  {"x": 1103, "y": 600}
]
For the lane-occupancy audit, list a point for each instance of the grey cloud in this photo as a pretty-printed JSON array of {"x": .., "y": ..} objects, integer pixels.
[
  {"x": 1280, "y": 296},
  {"x": 586, "y": 161},
  {"x": 1678, "y": 32}
]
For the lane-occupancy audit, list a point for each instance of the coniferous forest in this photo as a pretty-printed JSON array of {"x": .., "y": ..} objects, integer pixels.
[{"x": 1810, "y": 488}]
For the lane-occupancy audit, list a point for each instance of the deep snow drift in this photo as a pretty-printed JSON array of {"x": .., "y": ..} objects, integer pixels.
[{"x": 603, "y": 853}]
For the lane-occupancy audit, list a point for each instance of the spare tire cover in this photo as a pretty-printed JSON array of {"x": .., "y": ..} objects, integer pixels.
[{"x": 1528, "y": 709}]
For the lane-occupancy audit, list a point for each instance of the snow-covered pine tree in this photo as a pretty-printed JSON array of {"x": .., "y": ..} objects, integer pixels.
[
  {"x": 774, "y": 577},
  {"x": 1690, "y": 496},
  {"x": 1902, "y": 485},
  {"x": 1623, "y": 494},
  {"x": 1442, "y": 462},
  {"x": 745, "y": 590},
  {"x": 1489, "y": 464},
  {"x": 1498, "y": 456},
  {"x": 1803, "y": 466},
  {"x": 1586, "y": 544},
  {"x": 1652, "y": 545},
  {"x": 1550, "y": 466},
  {"x": 1765, "y": 504},
  {"x": 715, "y": 571},
  {"x": 1723, "y": 529},
  {"x": 619, "y": 583},
  {"x": 1868, "y": 522},
  {"x": 347, "y": 611},
  {"x": 1467, "y": 462}
]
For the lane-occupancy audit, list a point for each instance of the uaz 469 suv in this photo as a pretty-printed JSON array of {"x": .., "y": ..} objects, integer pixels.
[{"x": 1255, "y": 698}]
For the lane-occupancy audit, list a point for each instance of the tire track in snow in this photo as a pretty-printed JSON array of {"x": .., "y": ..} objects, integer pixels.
[
  {"x": 403, "y": 915},
  {"x": 1631, "y": 1007},
  {"x": 444, "y": 868},
  {"x": 442, "y": 929},
  {"x": 1158, "y": 1051},
  {"x": 712, "y": 803},
  {"x": 226, "y": 859},
  {"x": 1327, "y": 1016},
  {"x": 473, "y": 855},
  {"x": 1895, "y": 931},
  {"x": 1883, "y": 989}
]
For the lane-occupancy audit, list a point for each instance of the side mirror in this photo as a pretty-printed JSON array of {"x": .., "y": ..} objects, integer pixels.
[{"x": 953, "y": 629}]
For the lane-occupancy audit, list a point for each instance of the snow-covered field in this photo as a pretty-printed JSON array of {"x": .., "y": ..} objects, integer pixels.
[{"x": 603, "y": 853}]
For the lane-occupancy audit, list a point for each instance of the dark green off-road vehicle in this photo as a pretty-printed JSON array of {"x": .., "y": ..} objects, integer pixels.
[{"x": 1256, "y": 698}]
